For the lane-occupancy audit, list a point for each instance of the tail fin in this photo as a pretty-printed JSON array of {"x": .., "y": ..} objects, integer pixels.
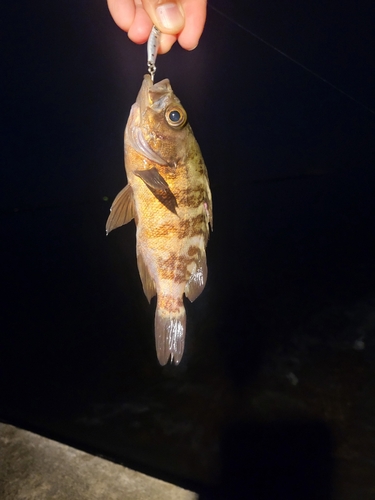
[{"x": 170, "y": 328}]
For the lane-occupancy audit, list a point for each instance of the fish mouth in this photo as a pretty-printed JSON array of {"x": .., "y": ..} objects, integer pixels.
[{"x": 153, "y": 94}]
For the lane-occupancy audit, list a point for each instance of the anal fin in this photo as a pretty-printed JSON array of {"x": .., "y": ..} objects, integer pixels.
[
  {"x": 122, "y": 209},
  {"x": 147, "y": 282}
]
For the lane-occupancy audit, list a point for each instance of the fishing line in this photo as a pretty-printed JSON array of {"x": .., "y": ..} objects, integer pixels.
[{"x": 316, "y": 75}]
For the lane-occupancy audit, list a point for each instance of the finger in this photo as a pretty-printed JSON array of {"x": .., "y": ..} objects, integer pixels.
[
  {"x": 166, "y": 42},
  {"x": 195, "y": 17},
  {"x": 167, "y": 15},
  {"x": 140, "y": 29},
  {"x": 123, "y": 12}
]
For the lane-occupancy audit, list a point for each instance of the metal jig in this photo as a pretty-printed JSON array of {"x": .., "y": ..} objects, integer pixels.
[{"x": 152, "y": 50}]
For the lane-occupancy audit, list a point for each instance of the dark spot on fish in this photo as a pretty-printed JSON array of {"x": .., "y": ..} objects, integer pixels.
[
  {"x": 197, "y": 225},
  {"x": 170, "y": 304},
  {"x": 191, "y": 198},
  {"x": 192, "y": 227},
  {"x": 174, "y": 267},
  {"x": 192, "y": 250},
  {"x": 201, "y": 166}
]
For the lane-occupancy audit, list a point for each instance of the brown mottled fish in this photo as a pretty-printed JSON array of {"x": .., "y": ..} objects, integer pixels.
[{"x": 169, "y": 197}]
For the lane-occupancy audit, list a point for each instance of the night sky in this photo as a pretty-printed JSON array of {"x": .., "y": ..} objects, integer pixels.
[{"x": 291, "y": 165}]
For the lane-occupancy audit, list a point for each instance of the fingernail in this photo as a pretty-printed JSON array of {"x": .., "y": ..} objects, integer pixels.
[{"x": 170, "y": 16}]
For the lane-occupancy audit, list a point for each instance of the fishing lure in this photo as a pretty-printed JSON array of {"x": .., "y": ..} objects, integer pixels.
[{"x": 153, "y": 45}]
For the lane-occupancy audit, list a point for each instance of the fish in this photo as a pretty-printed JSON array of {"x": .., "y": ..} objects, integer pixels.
[{"x": 168, "y": 195}]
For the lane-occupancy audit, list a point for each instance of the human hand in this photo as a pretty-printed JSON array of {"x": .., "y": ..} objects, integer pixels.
[{"x": 181, "y": 20}]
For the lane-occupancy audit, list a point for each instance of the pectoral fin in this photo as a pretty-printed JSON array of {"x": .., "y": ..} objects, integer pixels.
[
  {"x": 122, "y": 209},
  {"x": 159, "y": 187},
  {"x": 152, "y": 178},
  {"x": 197, "y": 281},
  {"x": 147, "y": 281}
]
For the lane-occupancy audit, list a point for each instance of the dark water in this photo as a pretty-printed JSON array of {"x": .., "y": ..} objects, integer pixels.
[{"x": 275, "y": 393}]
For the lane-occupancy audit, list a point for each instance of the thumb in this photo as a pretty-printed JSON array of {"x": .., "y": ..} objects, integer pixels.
[{"x": 167, "y": 15}]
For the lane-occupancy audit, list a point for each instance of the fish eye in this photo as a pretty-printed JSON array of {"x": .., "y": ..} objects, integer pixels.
[{"x": 176, "y": 117}]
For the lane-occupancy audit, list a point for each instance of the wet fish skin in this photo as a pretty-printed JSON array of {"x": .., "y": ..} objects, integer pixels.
[{"x": 169, "y": 197}]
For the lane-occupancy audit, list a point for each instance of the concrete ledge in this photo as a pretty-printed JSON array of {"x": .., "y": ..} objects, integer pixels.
[{"x": 35, "y": 468}]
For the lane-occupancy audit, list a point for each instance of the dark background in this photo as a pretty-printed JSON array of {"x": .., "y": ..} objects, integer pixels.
[{"x": 277, "y": 380}]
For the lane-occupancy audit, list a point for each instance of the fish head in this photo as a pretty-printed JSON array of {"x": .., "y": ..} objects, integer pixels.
[{"x": 157, "y": 127}]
